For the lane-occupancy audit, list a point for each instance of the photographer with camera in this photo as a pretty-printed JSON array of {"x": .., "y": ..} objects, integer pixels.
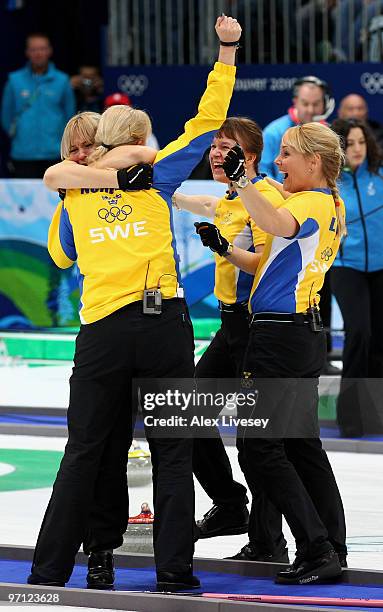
[{"x": 88, "y": 88}]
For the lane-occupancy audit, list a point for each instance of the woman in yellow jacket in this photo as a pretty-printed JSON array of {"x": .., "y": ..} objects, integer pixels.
[{"x": 124, "y": 245}]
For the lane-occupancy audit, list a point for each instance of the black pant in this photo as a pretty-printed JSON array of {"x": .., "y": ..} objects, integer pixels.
[
  {"x": 360, "y": 298},
  {"x": 294, "y": 472},
  {"x": 223, "y": 359},
  {"x": 109, "y": 353}
]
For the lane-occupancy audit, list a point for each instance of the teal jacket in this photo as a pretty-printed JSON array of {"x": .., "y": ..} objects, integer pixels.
[
  {"x": 362, "y": 193},
  {"x": 35, "y": 109}
]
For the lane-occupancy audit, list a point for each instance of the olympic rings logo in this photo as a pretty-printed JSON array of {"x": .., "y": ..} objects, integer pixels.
[
  {"x": 326, "y": 254},
  {"x": 121, "y": 214},
  {"x": 372, "y": 82},
  {"x": 133, "y": 84}
]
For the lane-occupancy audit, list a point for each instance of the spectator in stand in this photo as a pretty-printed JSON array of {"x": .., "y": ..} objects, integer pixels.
[
  {"x": 37, "y": 103},
  {"x": 312, "y": 101},
  {"x": 121, "y": 98},
  {"x": 358, "y": 14},
  {"x": 354, "y": 106},
  {"x": 357, "y": 275},
  {"x": 314, "y": 19},
  {"x": 88, "y": 88}
]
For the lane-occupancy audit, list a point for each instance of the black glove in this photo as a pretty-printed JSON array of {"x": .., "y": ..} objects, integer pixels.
[
  {"x": 212, "y": 237},
  {"x": 135, "y": 178},
  {"x": 234, "y": 163}
]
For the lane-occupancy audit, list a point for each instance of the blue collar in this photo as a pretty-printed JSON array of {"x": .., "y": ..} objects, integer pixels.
[
  {"x": 254, "y": 180},
  {"x": 325, "y": 190},
  {"x": 362, "y": 168},
  {"x": 47, "y": 73}
]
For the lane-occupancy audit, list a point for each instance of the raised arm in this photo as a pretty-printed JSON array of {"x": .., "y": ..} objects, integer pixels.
[
  {"x": 278, "y": 222},
  {"x": 70, "y": 175},
  {"x": 228, "y": 31},
  {"x": 126, "y": 155},
  {"x": 279, "y": 186},
  {"x": 203, "y": 205},
  {"x": 175, "y": 162}
]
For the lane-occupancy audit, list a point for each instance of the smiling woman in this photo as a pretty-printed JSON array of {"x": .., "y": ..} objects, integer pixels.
[
  {"x": 119, "y": 339},
  {"x": 223, "y": 358},
  {"x": 287, "y": 343}
]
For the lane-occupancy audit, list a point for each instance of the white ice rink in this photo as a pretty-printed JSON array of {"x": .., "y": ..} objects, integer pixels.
[{"x": 360, "y": 479}]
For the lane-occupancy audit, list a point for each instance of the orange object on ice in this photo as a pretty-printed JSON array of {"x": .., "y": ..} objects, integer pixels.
[{"x": 146, "y": 516}]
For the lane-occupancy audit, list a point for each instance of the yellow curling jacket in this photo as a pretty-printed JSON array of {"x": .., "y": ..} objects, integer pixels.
[
  {"x": 232, "y": 285},
  {"x": 124, "y": 242},
  {"x": 291, "y": 270}
]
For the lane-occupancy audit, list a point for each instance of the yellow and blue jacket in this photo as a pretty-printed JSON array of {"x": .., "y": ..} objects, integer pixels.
[
  {"x": 124, "y": 242},
  {"x": 232, "y": 285},
  {"x": 291, "y": 270}
]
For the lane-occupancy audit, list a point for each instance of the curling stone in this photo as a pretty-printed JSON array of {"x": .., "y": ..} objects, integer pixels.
[
  {"x": 138, "y": 537},
  {"x": 139, "y": 466}
]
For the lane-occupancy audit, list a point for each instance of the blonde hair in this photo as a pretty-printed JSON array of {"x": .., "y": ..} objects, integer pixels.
[
  {"x": 120, "y": 125},
  {"x": 83, "y": 127},
  {"x": 315, "y": 138}
]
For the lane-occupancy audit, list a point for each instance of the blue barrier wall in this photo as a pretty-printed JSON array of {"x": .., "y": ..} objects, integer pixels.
[
  {"x": 263, "y": 92},
  {"x": 35, "y": 293}
]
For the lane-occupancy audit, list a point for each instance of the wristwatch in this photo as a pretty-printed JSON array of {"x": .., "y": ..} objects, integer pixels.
[
  {"x": 242, "y": 182},
  {"x": 229, "y": 250}
]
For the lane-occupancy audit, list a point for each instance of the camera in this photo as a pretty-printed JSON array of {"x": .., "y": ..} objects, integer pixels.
[{"x": 88, "y": 83}]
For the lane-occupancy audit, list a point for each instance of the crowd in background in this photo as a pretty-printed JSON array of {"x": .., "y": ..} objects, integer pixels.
[{"x": 38, "y": 99}]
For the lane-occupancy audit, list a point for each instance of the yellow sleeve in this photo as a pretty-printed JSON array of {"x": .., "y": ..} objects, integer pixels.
[
  {"x": 60, "y": 239},
  {"x": 174, "y": 163},
  {"x": 304, "y": 211},
  {"x": 259, "y": 236},
  {"x": 276, "y": 199}
]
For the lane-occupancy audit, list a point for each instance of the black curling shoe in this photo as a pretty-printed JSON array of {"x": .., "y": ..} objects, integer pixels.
[
  {"x": 223, "y": 520},
  {"x": 342, "y": 559},
  {"x": 321, "y": 569},
  {"x": 100, "y": 570},
  {"x": 171, "y": 582},
  {"x": 251, "y": 553}
]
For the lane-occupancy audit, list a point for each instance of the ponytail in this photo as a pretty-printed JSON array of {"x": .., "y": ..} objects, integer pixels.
[
  {"x": 341, "y": 229},
  {"x": 311, "y": 138}
]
